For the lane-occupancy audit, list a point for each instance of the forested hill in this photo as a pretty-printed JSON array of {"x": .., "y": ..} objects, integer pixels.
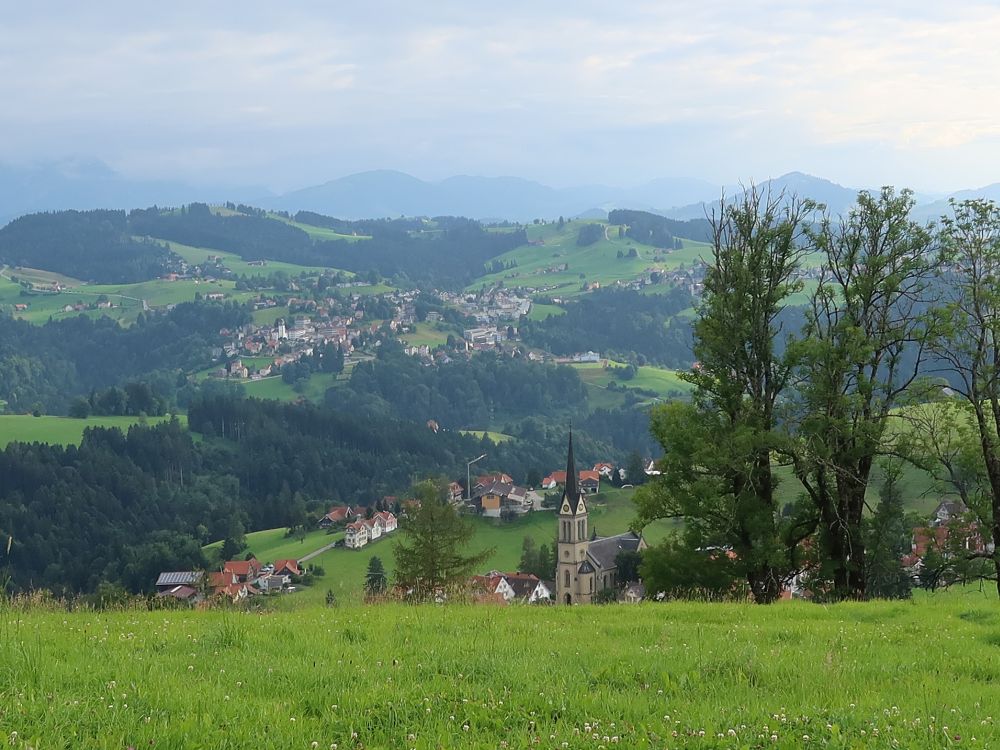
[
  {"x": 620, "y": 322},
  {"x": 115, "y": 247},
  {"x": 46, "y": 366},
  {"x": 90, "y": 245},
  {"x": 122, "y": 508}
]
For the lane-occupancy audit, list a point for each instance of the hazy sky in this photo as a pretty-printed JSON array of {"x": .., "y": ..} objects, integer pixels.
[{"x": 289, "y": 94}]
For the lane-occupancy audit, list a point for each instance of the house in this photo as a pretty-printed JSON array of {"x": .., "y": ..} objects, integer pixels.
[
  {"x": 527, "y": 588},
  {"x": 455, "y": 492},
  {"x": 246, "y": 571},
  {"x": 376, "y": 527},
  {"x": 604, "y": 469},
  {"x": 497, "y": 476},
  {"x": 634, "y": 593},
  {"x": 337, "y": 515},
  {"x": 181, "y": 593},
  {"x": 286, "y": 568},
  {"x": 553, "y": 480},
  {"x": 493, "y": 583},
  {"x": 586, "y": 566},
  {"x": 948, "y": 510},
  {"x": 357, "y": 535},
  {"x": 389, "y": 522},
  {"x": 167, "y": 581},
  {"x": 272, "y": 583},
  {"x": 496, "y": 497},
  {"x": 590, "y": 482}
]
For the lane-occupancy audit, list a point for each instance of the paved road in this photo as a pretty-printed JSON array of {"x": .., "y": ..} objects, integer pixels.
[{"x": 320, "y": 551}]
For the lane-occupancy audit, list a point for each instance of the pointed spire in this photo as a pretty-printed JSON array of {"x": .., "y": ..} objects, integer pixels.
[{"x": 572, "y": 493}]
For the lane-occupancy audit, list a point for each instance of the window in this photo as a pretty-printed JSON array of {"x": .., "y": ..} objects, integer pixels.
[{"x": 566, "y": 579}]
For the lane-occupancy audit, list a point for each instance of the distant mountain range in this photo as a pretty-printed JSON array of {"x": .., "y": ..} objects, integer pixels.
[{"x": 92, "y": 184}]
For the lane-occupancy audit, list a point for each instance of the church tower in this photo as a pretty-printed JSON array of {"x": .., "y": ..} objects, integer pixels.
[{"x": 574, "y": 574}]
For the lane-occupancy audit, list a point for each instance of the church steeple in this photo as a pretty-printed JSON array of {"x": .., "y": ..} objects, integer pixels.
[
  {"x": 572, "y": 503},
  {"x": 572, "y": 493}
]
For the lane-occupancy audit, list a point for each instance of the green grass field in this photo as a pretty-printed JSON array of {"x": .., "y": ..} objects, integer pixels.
[
  {"x": 273, "y": 544},
  {"x": 664, "y": 382},
  {"x": 236, "y": 264},
  {"x": 496, "y": 437},
  {"x": 596, "y": 263},
  {"x": 127, "y": 298},
  {"x": 277, "y": 389},
  {"x": 61, "y": 430},
  {"x": 541, "y": 311},
  {"x": 792, "y": 675},
  {"x": 430, "y": 334}
]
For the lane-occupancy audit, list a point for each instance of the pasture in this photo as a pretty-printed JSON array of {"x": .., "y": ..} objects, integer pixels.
[
  {"x": 25, "y": 428},
  {"x": 539, "y": 264},
  {"x": 921, "y": 674}
]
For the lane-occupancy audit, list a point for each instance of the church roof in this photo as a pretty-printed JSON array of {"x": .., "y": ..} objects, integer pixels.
[
  {"x": 603, "y": 551},
  {"x": 585, "y": 567}
]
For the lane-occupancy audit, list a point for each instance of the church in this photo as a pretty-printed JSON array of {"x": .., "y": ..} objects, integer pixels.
[{"x": 586, "y": 566}]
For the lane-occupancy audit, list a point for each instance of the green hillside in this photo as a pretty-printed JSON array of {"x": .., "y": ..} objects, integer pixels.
[
  {"x": 791, "y": 675},
  {"x": 60, "y": 430},
  {"x": 553, "y": 247}
]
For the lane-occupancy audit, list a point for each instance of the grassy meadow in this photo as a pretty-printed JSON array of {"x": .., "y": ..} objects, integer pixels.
[
  {"x": 598, "y": 262},
  {"x": 25, "y": 428},
  {"x": 923, "y": 674}
]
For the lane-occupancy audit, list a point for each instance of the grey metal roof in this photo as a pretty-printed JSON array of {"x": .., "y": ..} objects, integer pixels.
[
  {"x": 603, "y": 551},
  {"x": 178, "y": 578}
]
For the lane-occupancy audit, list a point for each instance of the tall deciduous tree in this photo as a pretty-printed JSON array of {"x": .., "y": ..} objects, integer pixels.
[
  {"x": 717, "y": 472},
  {"x": 431, "y": 555},
  {"x": 864, "y": 343},
  {"x": 967, "y": 349}
]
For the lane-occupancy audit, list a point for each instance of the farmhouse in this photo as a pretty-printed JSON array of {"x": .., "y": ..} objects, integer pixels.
[
  {"x": 586, "y": 566},
  {"x": 496, "y": 497}
]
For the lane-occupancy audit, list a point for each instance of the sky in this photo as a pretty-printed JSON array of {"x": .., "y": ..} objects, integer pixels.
[{"x": 285, "y": 95}]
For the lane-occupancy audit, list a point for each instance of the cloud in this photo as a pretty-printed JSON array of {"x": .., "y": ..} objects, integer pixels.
[{"x": 567, "y": 91}]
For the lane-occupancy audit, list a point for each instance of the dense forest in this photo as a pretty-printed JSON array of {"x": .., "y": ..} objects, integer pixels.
[
  {"x": 653, "y": 229},
  {"x": 45, "y": 367},
  {"x": 620, "y": 322},
  {"x": 89, "y": 245},
  {"x": 461, "y": 394},
  {"x": 121, "y": 508}
]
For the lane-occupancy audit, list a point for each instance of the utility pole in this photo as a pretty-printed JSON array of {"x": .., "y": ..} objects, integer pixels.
[{"x": 468, "y": 477}]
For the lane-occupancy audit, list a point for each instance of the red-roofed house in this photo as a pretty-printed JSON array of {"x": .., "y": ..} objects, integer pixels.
[
  {"x": 286, "y": 568},
  {"x": 246, "y": 571},
  {"x": 497, "y": 476},
  {"x": 389, "y": 522},
  {"x": 553, "y": 480},
  {"x": 339, "y": 514},
  {"x": 604, "y": 469}
]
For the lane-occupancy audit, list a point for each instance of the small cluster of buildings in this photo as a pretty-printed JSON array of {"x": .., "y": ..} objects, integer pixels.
[
  {"x": 237, "y": 580},
  {"x": 359, "y": 530},
  {"x": 951, "y": 530},
  {"x": 493, "y": 306},
  {"x": 506, "y": 588},
  {"x": 495, "y": 494}
]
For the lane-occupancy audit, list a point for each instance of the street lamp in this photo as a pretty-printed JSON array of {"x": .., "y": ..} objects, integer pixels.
[{"x": 468, "y": 477}]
